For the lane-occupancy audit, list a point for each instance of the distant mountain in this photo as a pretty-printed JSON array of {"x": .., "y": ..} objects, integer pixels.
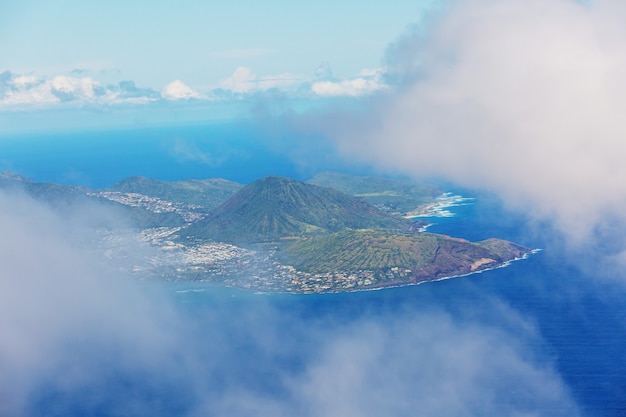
[
  {"x": 65, "y": 198},
  {"x": 208, "y": 193},
  {"x": 399, "y": 196},
  {"x": 49, "y": 192},
  {"x": 275, "y": 207}
]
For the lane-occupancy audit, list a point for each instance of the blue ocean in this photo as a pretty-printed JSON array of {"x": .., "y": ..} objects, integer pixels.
[
  {"x": 99, "y": 158},
  {"x": 542, "y": 336}
]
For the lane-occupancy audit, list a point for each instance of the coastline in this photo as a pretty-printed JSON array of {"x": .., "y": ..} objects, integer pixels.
[
  {"x": 384, "y": 287},
  {"x": 439, "y": 207},
  {"x": 503, "y": 265}
]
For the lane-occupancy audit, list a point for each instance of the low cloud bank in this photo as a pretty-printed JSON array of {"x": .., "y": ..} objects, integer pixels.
[
  {"x": 62, "y": 315},
  {"x": 19, "y": 91},
  {"x": 28, "y": 92},
  {"x": 405, "y": 365},
  {"x": 78, "y": 338}
]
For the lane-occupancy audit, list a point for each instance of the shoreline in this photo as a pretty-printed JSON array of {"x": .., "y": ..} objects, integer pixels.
[
  {"x": 503, "y": 265},
  {"x": 439, "y": 207},
  {"x": 380, "y": 288}
]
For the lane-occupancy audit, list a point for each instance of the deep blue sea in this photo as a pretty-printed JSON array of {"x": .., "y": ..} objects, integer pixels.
[
  {"x": 580, "y": 320},
  {"x": 99, "y": 158},
  {"x": 266, "y": 349},
  {"x": 580, "y": 316}
]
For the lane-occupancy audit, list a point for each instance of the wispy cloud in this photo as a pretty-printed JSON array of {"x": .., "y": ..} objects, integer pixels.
[
  {"x": 189, "y": 151},
  {"x": 127, "y": 91},
  {"x": 367, "y": 82}
]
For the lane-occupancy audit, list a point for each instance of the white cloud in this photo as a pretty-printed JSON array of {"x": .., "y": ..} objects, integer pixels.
[
  {"x": 241, "y": 81},
  {"x": 368, "y": 81},
  {"x": 76, "y": 87},
  {"x": 28, "y": 91},
  {"x": 525, "y": 98},
  {"x": 177, "y": 90},
  {"x": 35, "y": 94},
  {"x": 23, "y": 81}
]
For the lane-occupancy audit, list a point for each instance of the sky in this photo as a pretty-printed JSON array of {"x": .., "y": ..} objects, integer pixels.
[
  {"x": 136, "y": 52},
  {"x": 520, "y": 98},
  {"x": 155, "y": 43}
]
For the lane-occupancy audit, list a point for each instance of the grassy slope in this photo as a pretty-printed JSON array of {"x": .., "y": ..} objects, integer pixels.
[{"x": 427, "y": 255}]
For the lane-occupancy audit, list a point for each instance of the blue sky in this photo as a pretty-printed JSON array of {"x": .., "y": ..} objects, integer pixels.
[{"x": 75, "y": 51}]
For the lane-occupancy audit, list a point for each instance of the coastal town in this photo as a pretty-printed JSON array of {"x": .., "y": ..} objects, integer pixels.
[
  {"x": 189, "y": 212},
  {"x": 230, "y": 265},
  {"x": 227, "y": 264}
]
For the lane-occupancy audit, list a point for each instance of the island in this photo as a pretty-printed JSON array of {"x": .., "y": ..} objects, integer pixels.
[{"x": 334, "y": 233}]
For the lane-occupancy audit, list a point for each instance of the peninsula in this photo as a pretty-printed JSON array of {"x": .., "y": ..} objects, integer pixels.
[{"x": 280, "y": 235}]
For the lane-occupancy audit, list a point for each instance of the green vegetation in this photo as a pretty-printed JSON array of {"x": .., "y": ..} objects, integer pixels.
[
  {"x": 306, "y": 238},
  {"x": 503, "y": 248},
  {"x": 354, "y": 250},
  {"x": 426, "y": 255}
]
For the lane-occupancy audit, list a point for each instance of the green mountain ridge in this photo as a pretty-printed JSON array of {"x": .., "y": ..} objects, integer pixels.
[
  {"x": 209, "y": 193},
  {"x": 67, "y": 198}
]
